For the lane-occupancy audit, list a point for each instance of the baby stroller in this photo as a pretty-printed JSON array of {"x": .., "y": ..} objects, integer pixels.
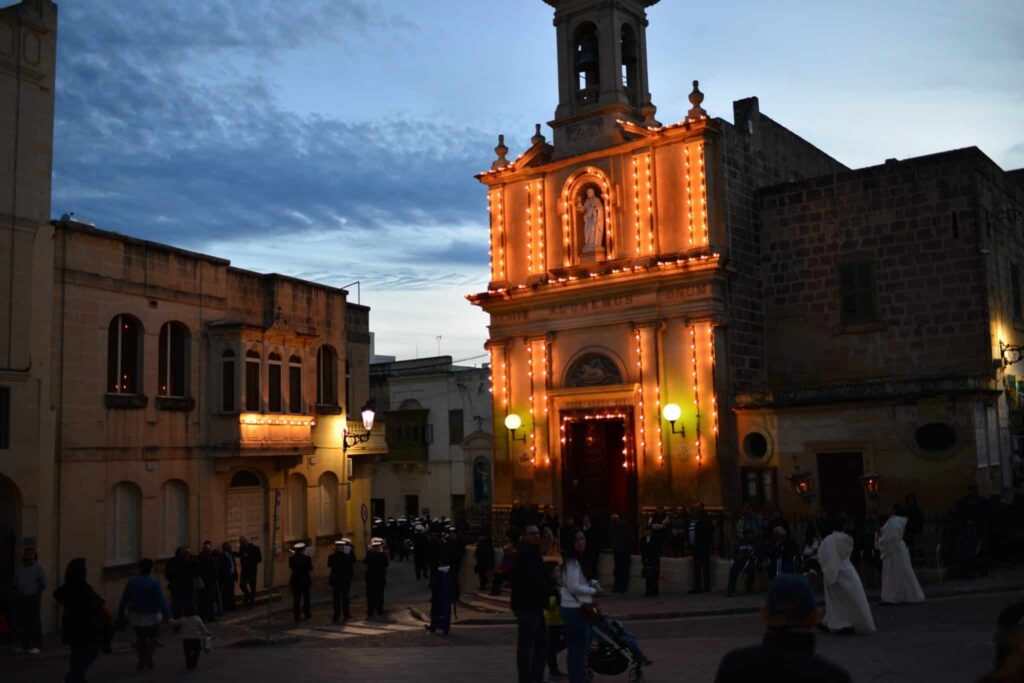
[{"x": 613, "y": 651}]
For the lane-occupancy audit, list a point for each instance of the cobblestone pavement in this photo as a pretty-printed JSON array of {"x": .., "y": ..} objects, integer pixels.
[{"x": 945, "y": 639}]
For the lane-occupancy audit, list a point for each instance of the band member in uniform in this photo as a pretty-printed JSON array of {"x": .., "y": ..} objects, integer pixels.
[
  {"x": 341, "y": 564},
  {"x": 301, "y": 581},
  {"x": 376, "y": 562},
  {"x": 419, "y": 551}
]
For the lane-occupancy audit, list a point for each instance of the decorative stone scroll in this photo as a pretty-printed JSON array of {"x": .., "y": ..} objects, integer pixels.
[{"x": 593, "y": 369}]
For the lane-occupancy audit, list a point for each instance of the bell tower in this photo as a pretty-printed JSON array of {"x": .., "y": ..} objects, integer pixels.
[{"x": 602, "y": 72}]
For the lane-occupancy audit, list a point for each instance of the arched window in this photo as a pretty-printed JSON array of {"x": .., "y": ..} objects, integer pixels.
[
  {"x": 586, "y": 63},
  {"x": 227, "y": 381},
  {"x": 174, "y": 360},
  {"x": 124, "y": 524},
  {"x": 295, "y": 384},
  {"x": 630, "y": 61},
  {"x": 175, "y": 516},
  {"x": 326, "y": 376},
  {"x": 274, "y": 383},
  {"x": 252, "y": 381},
  {"x": 327, "y": 520},
  {"x": 296, "y": 508},
  {"x": 124, "y": 355}
]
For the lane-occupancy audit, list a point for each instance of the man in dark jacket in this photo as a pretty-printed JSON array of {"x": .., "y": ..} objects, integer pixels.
[
  {"x": 249, "y": 557},
  {"x": 620, "y": 538},
  {"x": 530, "y": 591},
  {"x": 180, "y": 573},
  {"x": 702, "y": 536},
  {"x": 301, "y": 581},
  {"x": 341, "y": 563},
  {"x": 227, "y": 576},
  {"x": 650, "y": 557},
  {"x": 206, "y": 567},
  {"x": 787, "y": 651},
  {"x": 376, "y": 562}
]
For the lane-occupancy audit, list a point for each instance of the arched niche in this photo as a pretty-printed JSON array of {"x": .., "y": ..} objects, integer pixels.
[
  {"x": 584, "y": 191},
  {"x": 593, "y": 369}
]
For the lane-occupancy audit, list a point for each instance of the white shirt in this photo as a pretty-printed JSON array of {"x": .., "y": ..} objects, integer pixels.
[
  {"x": 575, "y": 589},
  {"x": 192, "y": 627}
]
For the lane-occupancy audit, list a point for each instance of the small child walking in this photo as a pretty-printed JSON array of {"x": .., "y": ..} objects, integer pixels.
[
  {"x": 193, "y": 632},
  {"x": 553, "y": 619}
]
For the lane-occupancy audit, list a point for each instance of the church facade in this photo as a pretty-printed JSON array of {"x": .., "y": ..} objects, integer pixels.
[{"x": 637, "y": 350}]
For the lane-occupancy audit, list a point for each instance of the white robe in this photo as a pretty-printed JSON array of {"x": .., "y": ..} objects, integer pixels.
[
  {"x": 846, "y": 604},
  {"x": 899, "y": 584}
]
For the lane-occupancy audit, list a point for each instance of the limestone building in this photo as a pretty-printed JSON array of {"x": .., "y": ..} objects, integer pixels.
[
  {"x": 696, "y": 271},
  {"x": 152, "y": 397},
  {"x": 438, "y": 429}
]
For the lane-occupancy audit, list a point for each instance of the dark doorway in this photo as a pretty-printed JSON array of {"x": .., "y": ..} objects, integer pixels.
[
  {"x": 599, "y": 470},
  {"x": 10, "y": 535},
  {"x": 412, "y": 506},
  {"x": 839, "y": 480}
]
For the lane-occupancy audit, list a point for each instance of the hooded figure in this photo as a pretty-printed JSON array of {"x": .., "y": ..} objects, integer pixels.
[
  {"x": 846, "y": 605},
  {"x": 899, "y": 584}
]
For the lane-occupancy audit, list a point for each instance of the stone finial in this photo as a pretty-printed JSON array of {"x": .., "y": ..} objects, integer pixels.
[
  {"x": 696, "y": 98},
  {"x": 538, "y": 137},
  {"x": 501, "y": 150}
]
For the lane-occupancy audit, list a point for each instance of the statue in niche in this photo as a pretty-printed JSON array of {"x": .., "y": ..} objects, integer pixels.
[{"x": 593, "y": 221}]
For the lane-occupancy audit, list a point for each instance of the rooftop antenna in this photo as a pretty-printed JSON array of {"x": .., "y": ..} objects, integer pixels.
[{"x": 438, "y": 338}]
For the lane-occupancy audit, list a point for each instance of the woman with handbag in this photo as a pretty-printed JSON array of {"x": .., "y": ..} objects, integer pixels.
[
  {"x": 578, "y": 608},
  {"x": 86, "y": 625}
]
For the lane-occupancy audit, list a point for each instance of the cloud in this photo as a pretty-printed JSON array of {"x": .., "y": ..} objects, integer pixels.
[{"x": 143, "y": 147}]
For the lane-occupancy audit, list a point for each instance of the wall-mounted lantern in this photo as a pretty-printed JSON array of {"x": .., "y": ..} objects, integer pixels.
[
  {"x": 512, "y": 423},
  {"x": 802, "y": 482},
  {"x": 353, "y": 439},
  {"x": 672, "y": 412}
]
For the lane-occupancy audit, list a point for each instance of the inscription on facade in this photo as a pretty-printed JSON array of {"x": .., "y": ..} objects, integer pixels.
[
  {"x": 688, "y": 292},
  {"x": 513, "y": 317},
  {"x": 592, "y": 305}
]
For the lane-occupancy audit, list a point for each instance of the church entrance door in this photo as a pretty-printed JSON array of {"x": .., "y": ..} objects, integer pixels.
[{"x": 599, "y": 468}]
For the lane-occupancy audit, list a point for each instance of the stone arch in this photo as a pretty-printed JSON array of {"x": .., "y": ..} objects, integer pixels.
[
  {"x": 594, "y": 366},
  {"x": 572, "y": 227}
]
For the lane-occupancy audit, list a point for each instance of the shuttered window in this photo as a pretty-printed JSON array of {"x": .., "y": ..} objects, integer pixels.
[
  {"x": 857, "y": 293},
  {"x": 124, "y": 524},
  {"x": 175, "y": 516}
]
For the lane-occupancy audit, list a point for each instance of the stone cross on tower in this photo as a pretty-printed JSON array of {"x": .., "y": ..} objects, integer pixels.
[{"x": 602, "y": 72}]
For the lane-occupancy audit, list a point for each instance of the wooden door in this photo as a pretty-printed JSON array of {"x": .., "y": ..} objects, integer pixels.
[
  {"x": 840, "y": 485},
  {"x": 247, "y": 516}
]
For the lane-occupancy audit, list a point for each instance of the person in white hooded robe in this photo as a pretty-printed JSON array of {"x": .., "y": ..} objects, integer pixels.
[
  {"x": 899, "y": 584},
  {"x": 846, "y": 604}
]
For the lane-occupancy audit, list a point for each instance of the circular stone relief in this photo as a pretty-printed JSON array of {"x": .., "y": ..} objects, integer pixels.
[
  {"x": 755, "y": 446},
  {"x": 935, "y": 437}
]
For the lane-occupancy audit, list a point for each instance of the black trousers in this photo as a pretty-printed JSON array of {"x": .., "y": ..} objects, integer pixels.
[
  {"x": 622, "y": 561},
  {"x": 701, "y": 572},
  {"x": 340, "y": 600},
  {"x": 247, "y": 583},
  {"x": 227, "y": 594},
  {"x": 193, "y": 647},
  {"x": 556, "y": 643},
  {"x": 421, "y": 568},
  {"x": 531, "y": 646},
  {"x": 374, "y": 599},
  {"x": 300, "y": 599},
  {"x": 652, "y": 573},
  {"x": 27, "y": 620},
  {"x": 180, "y": 596}
]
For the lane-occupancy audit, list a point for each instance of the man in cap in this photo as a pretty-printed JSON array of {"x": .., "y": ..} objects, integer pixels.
[
  {"x": 301, "y": 580},
  {"x": 376, "y": 562},
  {"x": 787, "y": 651},
  {"x": 419, "y": 551},
  {"x": 341, "y": 564}
]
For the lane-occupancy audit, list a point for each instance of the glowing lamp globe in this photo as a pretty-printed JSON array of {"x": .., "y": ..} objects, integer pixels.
[
  {"x": 513, "y": 422},
  {"x": 368, "y": 416},
  {"x": 672, "y": 412}
]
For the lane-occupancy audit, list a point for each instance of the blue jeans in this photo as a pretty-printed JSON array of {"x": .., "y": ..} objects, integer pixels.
[{"x": 577, "y": 639}]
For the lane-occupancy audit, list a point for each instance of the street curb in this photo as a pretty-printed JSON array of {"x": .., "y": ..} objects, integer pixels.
[
  {"x": 734, "y": 611},
  {"x": 265, "y": 642}
]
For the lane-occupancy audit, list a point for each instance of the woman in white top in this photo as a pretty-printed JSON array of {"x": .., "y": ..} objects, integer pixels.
[
  {"x": 899, "y": 584},
  {"x": 577, "y": 589}
]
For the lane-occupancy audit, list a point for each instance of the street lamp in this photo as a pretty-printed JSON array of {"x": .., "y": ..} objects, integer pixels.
[
  {"x": 512, "y": 423},
  {"x": 672, "y": 412},
  {"x": 353, "y": 439},
  {"x": 802, "y": 482}
]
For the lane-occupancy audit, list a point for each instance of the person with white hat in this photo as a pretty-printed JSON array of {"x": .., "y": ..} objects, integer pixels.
[
  {"x": 301, "y": 580},
  {"x": 341, "y": 564},
  {"x": 376, "y": 562}
]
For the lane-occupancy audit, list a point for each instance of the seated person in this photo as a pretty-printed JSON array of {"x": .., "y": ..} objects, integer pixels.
[
  {"x": 508, "y": 556},
  {"x": 744, "y": 561}
]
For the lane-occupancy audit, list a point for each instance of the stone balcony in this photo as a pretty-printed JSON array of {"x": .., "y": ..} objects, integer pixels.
[{"x": 255, "y": 434}]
